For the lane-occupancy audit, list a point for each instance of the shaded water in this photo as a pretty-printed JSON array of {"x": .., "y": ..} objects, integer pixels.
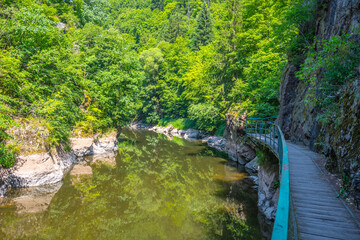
[{"x": 153, "y": 188}]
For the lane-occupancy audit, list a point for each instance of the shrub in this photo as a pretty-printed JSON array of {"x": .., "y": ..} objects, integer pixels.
[
  {"x": 206, "y": 116},
  {"x": 330, "y": 64},
  {"x": 7, "y": 157}
]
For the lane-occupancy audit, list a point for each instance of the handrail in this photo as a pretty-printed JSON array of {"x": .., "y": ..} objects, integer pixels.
[{"x": 271, "y": 134}]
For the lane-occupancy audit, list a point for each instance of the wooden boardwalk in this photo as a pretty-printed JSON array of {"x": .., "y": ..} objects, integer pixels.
[{"x": 318, "y": 212}]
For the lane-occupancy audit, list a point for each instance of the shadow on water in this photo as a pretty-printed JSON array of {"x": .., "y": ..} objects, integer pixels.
[{"x": 153, "y": 188}]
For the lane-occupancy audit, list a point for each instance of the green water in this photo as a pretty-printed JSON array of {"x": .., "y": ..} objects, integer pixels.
[{"x": 154, "y": 188}]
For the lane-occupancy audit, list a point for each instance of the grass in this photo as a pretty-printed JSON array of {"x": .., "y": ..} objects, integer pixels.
[
  {"x": 186, "y": 123},
  {"x": 181, "y": 123}
]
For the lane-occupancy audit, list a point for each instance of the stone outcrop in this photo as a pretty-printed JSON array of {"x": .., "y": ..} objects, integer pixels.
[
  {"x": 82, "y": 146},
  {"x": 252, "y": 167},
  {"x": 50, "y": 167},
  {"x": 215, "y": 142},
  {"x": 338, "y": 138},
  {"x": 37, "y": 170},
  {"x": 267, "y": 193},
  {"x": 242, "y": 150}
]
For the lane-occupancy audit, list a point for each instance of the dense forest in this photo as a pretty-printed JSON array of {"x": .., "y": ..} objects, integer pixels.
[{"x": 87, "y": 66}]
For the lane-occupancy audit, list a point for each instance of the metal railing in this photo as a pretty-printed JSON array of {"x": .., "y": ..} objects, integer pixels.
[{"x": 271, "y": 135}]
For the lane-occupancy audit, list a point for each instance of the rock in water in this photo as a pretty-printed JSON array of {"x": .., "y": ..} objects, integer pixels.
[{"x": 82, "y": 146}]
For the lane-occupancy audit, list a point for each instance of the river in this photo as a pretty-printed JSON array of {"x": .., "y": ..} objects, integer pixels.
[{"x": 152, "y": 188}]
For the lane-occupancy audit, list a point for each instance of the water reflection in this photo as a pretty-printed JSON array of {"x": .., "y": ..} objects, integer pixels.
[{"x": 155, "y": 188}]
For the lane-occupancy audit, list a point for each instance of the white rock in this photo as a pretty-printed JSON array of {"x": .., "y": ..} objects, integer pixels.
[
  {"x": 82, "y": 146},
  {"x": 191, "y": 133},
  {"x": 103, "y": 145}
]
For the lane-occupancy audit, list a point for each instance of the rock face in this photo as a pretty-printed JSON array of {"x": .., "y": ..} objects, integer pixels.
[
  {"x": 216, "y": 142},
  {"x": 89, "y": 146},
  {"x": 104, "y": 145},
  {"x": 50, "y": 167},
  {"x": 339, "y": 138},
  {"x": 82, "y": 146},
  {"x": 268, "y": 194},
  {"x": 264, "y": 177},
  {"x": 252, "y": 167},
  {"x": 37, "y": 170},
  {"x": 236, "y": 147}
]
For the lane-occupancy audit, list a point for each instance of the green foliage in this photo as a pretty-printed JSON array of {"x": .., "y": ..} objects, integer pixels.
[
  {"x": 220, "y": 130},
  {"x": 181, "y": 123},
  {"x": 276, "y": 184},
  {"x": 85, "y": 78},
  {"x": 204, "y": 28},
  {"x": 345, "y": 186},
  {"x": 334, "y": 62},
  {"x": 7, "y": 157},
  {"x": 157, "y": 4},
  {"x": 206, "y": 116},
  {"x": 110, "y": 61}
]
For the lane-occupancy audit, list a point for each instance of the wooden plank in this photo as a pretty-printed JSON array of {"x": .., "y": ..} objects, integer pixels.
[
  {"x": 314, "y": 198},
  {"x": 314, "y": 237},
  {"x": 333, "y": 227},
  {"x": 329, "y": 223},
  {"x": 316, "y": 203},
  {"x": 329, "y": 232},
  {"x": 319, "y": 214},
  {"x": 302, "y": 188},
  {"x": 323, "y": 217},
  {"x": 319, "y": 206},
  {"x": 327, "y": 212}
]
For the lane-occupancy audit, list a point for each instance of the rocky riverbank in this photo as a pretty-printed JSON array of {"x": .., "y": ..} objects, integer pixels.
[
  {"x": 51, "y": 166},
  {"x": 238, "y": 152}
]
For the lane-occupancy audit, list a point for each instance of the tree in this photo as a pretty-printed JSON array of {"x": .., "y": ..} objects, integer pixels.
[
  {"x": 176, "y": 25},
  {"x": 152, "y": 61},
  {"x": 157, "y": 4},
  {"x": 204, "y": 28}
]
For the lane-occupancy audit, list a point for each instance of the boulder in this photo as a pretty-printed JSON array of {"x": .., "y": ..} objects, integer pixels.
[
  {"x": 60, "y": 25},
  {"x": 106, "y": 144},
  {"x": 252, "y": 167},
  {"x": 169, "y": 128},
  {"x": 255, "y": 180},
  {"x": 82, "y": 146},
  {"x": 216, "y": 142},
  {"x": 37, "y": 170},
  {"x": 268, "y": 195},
  {"x": 246, "y": 152},
  {"x": 191, "y": 133}
]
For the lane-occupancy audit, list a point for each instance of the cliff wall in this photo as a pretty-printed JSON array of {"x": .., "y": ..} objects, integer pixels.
[{"x": 338, "y": 138}]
